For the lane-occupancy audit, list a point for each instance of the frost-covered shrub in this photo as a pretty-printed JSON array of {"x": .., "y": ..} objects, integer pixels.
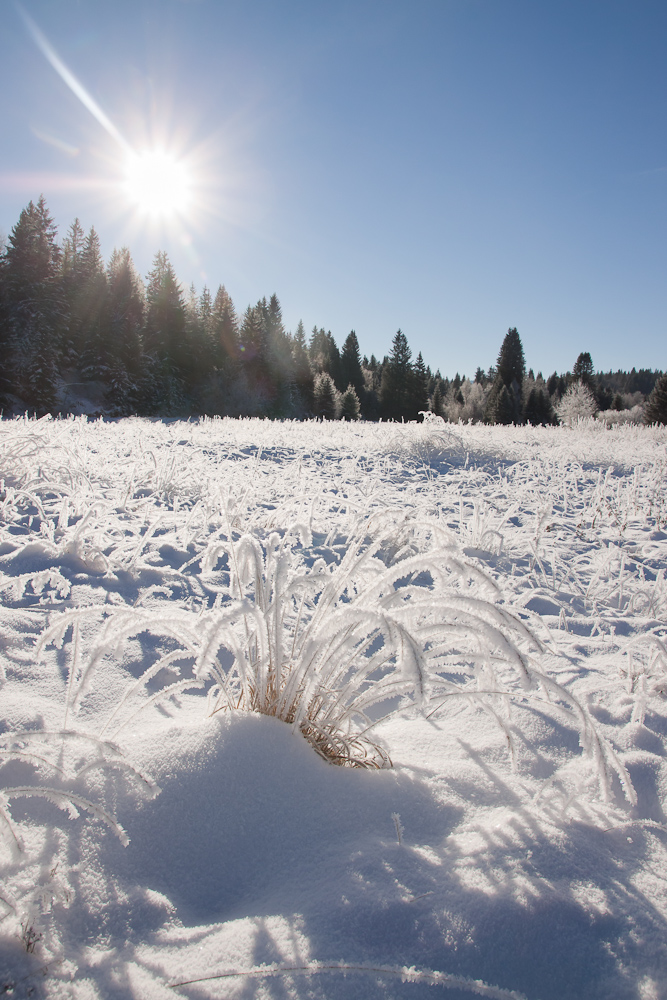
[
  {"x": 577, "y": 402},
  {"x": 474, "y": 395},
  {"x": 612, "y": 418}
]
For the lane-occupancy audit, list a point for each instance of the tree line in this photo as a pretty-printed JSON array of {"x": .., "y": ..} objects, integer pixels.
[{"x": 68, "y": 321}]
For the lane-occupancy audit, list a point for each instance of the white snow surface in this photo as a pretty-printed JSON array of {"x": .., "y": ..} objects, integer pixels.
[{"x": 517, "y": 846}]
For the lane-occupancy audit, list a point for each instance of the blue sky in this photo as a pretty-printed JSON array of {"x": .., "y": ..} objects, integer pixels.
[{"x": 449, "y": 167}]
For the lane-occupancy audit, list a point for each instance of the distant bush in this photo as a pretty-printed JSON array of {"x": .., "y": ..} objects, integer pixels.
[{"x": 613, "y": 417}]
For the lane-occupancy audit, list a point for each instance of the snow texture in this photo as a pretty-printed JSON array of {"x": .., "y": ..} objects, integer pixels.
[{"x": 485, "y": 608}]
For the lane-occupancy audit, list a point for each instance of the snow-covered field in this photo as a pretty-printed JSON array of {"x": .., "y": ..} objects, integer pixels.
[{"x": 494, "y": 598}]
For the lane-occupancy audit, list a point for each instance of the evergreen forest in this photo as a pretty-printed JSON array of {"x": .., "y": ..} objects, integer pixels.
[{"x": 78, "y": 335}]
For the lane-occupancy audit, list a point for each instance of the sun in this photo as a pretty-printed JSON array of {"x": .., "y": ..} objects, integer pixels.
[{"x": 157, "y": 183}]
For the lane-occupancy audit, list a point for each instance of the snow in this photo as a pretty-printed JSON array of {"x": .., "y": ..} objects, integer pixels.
[{"x": 516, "y": 847}]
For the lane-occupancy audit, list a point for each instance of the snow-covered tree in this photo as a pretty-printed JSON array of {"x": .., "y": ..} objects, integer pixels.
[
  {"x": 349, "y": 404},
  {"x": 325, "y": 397},
  {"x": 577, "y": 402}
]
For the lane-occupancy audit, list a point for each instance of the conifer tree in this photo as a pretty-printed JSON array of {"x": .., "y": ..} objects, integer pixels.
[
  {"x": 35, "y": 307},
  {"x": 538, "y": 407},
  {"x": 511, "y": 365},
  {"x": 511, "y": 369},
  {"x": 303, "y": 374},
  {"x": 225, "y": 330},
  {"x": 91, "y": 334},
  {"x": 324, "y": 397},
  {"x": 437, "y": 404},
  {"x": 350, "y": 364},
  {"x": 165, "y": 317},
  {"x": 419, "y": 387},
  {"x": 71, "y": 283},
  {"x": 397, "y": 388},
  {"x": 505, "y": 407},
  {"x": 349, "y": 404},
  {"x": 655, "y": 411},
  {"x": 280, "y": 361},
  {"x": 583, "y": 370},
  {"x": 125, "y": 311}
]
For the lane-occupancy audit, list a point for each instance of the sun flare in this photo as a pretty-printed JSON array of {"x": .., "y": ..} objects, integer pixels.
[{"x": 157, "y": 183}]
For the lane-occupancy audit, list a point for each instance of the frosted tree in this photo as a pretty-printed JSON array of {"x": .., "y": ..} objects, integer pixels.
[
  {"x": 325, "y": 397},
  {"x": 577, "y": 402},
  {"x": 349, "y": 404}
]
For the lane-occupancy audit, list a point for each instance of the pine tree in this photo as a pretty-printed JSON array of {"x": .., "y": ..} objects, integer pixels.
[
  {"x": 437, "y": 404},
  {"x": 538, "y": 407},
  {"x": 655, "y": 411},
  {"x": 510, "y": 364},
  {"x": 396, "y": 391},
  {"x": 124, "y": 314},
  {"x": 165, "y": 318},
  {"x": 196, "y": 341},
  {"x": 511, "y": 369},
  {"x": 505, "y": 407},
  {"x": 349, "y": 404},
  {"x": 72, "y": 279},
  {"x": 324, "y": 402},
  {"x": 92, "y": 338},
  {"x": 350, "y": 364},
  {"x": 419, "y": 402},
  {"x": 492, "y": 401},
  {"x": 225, "y": 330},
  {"x": 303, "y": 374},
  {"x": 583, "y": 370},
  {"x": 280, "y": 361},
  {"x": 35, "y": 307},
  {"x": 325, "y": 356}
]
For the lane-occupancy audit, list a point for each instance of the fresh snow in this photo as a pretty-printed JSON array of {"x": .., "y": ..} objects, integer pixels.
[{"x": 151, "y": 849}]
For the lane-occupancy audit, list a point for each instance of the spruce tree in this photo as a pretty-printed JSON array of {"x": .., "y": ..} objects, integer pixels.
[
  {"x": 511, "y": 369},
  {"x": 324, "y": 397},
  {"x": 165, "y": 317},
  {"x": 349, "y": 404},
  {"x": 350, "y": 364},
  {"x": 437, "y": 404},
  {"x": 511, "y": 365},
  {"x": 505, "y": 406},
  {"x": 396, "y": 391},
  {"x": 71, "y": 283},
  {"x": 280, "y": 361},
  {"x": 94, "y": 339},
  {"x": 419, "y": 400},
  {"x": 225, "y": 330},
  {"x": 35, "y": 308},
  {"x": 303, "y": 374},
  {"x": 655, "y": 411},
  {"x": 538, "y": 407},
  {"x": 583, "y": 370}
]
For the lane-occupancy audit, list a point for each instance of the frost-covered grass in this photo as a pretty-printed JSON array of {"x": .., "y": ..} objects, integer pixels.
[{"x": 483, "y": 607}]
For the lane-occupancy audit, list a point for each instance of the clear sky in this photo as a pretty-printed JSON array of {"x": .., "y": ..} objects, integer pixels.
[{"x": 449, "y": 167}]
